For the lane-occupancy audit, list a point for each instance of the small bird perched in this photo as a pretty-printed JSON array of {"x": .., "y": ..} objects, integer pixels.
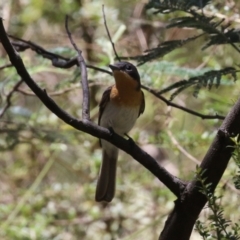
[{"x": 120, "y": 106}]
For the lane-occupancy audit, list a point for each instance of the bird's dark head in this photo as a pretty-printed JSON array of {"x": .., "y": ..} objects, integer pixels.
[{"x": 125, "y": 69}]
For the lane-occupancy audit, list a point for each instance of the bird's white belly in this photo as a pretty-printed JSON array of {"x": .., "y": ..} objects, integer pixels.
[{"x": 120, "y": 118}]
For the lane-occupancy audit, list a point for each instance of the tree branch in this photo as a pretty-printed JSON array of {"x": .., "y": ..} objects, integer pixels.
[
  {"x": 57, "y": 60},
  {"x": 190, "y": 204},
  {"x": 62, "y": 62},
  {"x": 84, "y": 77},
  {"x": 173, "y": 183},
  {"x": 109, "y": 36},
  {"x": 170, "y": 103}
]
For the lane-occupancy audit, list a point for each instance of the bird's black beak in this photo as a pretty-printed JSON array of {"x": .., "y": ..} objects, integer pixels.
[{"x": 114, "y": 67}]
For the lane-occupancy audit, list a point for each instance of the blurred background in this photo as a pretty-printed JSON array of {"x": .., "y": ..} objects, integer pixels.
[{"x": 48, "y": 170}]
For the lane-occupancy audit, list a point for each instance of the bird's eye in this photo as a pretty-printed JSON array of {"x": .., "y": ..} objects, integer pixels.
[{"x": 128, "y": 67}]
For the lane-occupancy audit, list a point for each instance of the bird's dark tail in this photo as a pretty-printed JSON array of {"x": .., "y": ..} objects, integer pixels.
[{"x": 107, "y": 178}]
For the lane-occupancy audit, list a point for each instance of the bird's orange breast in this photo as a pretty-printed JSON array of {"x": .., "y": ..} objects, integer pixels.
[{"x": 126, "y": 91}]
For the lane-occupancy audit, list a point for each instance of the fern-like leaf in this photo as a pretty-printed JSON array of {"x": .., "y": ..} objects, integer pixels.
[
  {"x": 231, "y": 36},
  {"x": 197, "y": 21},
  {"x": 173, "y": 86},
  {"x": 161, "y": 50},
  {"x": 166, "y": 6},
  {"x": 206, "y": 80},
  {"x": 219, "y": 227},
  {"x": 179, "y": 90}
]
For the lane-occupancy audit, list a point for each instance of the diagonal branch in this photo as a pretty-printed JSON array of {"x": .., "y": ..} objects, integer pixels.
[
  {"x": 190, "y": 111},
  {"x": 84, "y": 77},
  {"x": 173, "y": 183},
  {"x": 189, "y": 206}
]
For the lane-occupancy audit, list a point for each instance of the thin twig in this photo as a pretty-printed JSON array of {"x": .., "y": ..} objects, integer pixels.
[
  {"x": 192, "y": 158},
  {"x": 109, "y": 36},
  {"x": 181, "y": 149},
  {"x": 169, "y": 103},
  {"x": 84, "y": 77},
  {"x": 9, "y": 96},
  {"x": 6, "y": 66},
  {"x": 98, "y": 69},
  {"x": 58, "y": 93}
]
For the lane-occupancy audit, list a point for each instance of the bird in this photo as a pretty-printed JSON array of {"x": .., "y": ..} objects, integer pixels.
[{"x": 120, "y": 106}]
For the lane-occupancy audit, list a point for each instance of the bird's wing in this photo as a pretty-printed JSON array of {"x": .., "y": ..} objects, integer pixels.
[
  {"x": 142, "y": 106},
  {"x": 105, "y": 99}
]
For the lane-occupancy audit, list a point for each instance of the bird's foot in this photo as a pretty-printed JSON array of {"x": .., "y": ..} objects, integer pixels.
[
  {"x": 131, "y": 141},
  {"x": 111, "y": 130}
]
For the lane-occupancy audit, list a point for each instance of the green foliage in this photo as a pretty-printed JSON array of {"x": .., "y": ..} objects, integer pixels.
[
  {"x": 219, "y": 227},
  {"x": 215, "y": 32},
  {"x": 205, "y": 80},
  {"x": 196, "y": 21},
  {"x": 167, "y": 6},
  {"x": 161, "y": 50},
  {"x": 230, "y": 36}
]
